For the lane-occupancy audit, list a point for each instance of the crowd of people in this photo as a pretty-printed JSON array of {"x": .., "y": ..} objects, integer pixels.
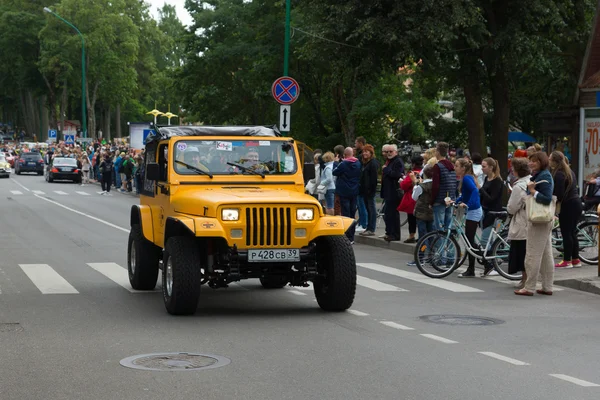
[
  {"x": 114, "y": 165},
  {"x": 346, "y": 181}
]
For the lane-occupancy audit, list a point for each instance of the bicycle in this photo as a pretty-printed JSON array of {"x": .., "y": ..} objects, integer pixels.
[
  {"x": 381, "y": 214},
  {"x": 438, "y": 253},
  {"x": 587, "y": 235}
]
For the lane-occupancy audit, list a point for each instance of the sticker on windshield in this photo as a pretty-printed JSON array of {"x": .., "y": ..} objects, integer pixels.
[
  {"x": 264, "y": 143},
  {"x": 225, "y": 146},
  {"x": 181, "y": 146}
]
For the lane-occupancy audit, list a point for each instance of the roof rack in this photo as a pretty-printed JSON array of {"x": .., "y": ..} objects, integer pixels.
[{"x": 165, "y": 132}]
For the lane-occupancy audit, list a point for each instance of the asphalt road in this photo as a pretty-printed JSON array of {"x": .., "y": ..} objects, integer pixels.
[{"x": 66, "y": 322}]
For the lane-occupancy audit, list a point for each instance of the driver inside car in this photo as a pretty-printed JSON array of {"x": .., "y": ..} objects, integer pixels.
[{"x": 252, "y": 162}]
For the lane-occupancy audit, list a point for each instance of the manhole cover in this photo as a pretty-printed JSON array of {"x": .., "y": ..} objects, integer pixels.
[
  {"x": 11, "y": 327},
  {"x": 174, "y": 362},
  {"x": 460, "y": 320}
]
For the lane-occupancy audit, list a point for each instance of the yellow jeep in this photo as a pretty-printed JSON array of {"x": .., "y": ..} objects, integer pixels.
[{"x": 222, "y": 204}]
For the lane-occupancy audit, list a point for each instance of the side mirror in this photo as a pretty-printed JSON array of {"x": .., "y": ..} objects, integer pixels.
[
  {"x": 152, "y": 171},
  {"x": 308, "y": 172}
]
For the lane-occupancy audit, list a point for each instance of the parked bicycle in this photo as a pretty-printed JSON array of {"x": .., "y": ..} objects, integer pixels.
[{"x": 439, "y": 253}]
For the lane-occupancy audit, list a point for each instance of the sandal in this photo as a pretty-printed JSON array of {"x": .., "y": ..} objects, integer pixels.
[
  {"x": 546, "y": 292},
  {"x": 523, "y": 292}
]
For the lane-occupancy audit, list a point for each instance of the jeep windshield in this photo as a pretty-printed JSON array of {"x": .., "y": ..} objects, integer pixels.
[{"x": 230, "y": 157}]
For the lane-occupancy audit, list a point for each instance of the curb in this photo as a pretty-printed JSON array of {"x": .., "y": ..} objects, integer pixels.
[
  {"x": 590, "y": 285},
  {"x": 376, "y": 242}
]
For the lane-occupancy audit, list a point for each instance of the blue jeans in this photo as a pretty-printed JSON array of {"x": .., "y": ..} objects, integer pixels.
[
  {"x": 117, "y": 179},
  {"x": 369, "y": 202},
  {"x": 424, "y": 227},
  {"x": 330, "y": 198},
  {"x": 442, "y": 216},
  {"x": 363, "y": 217},
  {"x": 348, "y": 205}
]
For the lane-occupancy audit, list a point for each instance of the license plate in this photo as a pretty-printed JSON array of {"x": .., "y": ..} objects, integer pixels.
[
  {"x": 31, "y": 163},
  {"x": 279, "y": 255}
]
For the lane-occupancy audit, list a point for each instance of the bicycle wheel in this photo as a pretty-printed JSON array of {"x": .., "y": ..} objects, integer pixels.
[
  {"x": 437, "y": 254},
  {"x": 587, "y": 233},
  {"x": 500, "y": 251}
]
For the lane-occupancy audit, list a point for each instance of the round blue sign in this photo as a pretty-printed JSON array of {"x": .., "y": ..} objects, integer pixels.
[{"x": 285, "y": 90}]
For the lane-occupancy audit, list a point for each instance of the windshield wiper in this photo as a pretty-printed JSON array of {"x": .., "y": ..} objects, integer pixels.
[
  {"x": 246, "y": 169},
  {"x": 198, "y": 170}
]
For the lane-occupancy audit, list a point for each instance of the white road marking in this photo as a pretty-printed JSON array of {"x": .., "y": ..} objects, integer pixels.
[
  {"x": 16, "y": 192},
  {"x": 82, "y": 193},
  {"x": 83, "y": 214},
  {"x": 37, "y": 192},
  {"x": 396, "y": 326},
  {"x": 376, "y": 285},
  {"x": 60, "y": 192},
  {"x": 297, "y": 293},
  {"x": 503, "y": 358},
  {"x": 451, "y": 286},
  {"x": 117, "y": 274},
  {"x": 357, "y": 313},
  {"x": 47, "y": 280},
  {"x": 574, "y": 380},
  {"x": 18, "y": 183},
  {"x": 438, "y": 338}
]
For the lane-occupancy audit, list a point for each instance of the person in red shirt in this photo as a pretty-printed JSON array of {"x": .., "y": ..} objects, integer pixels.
[{"x": 407, "y": 205}]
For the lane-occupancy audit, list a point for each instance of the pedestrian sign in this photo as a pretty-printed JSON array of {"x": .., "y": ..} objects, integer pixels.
[
  {"x": 69, "y": 139},
  {"x": 285, "y": 90},
  {"x": 51, "y": 133}
]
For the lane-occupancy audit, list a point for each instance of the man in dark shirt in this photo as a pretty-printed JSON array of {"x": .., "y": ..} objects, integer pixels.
[{"x": 392, "y": 173}]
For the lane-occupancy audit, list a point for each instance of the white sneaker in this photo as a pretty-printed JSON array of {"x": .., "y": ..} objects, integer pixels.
[
  {"x": 102, "y": 192},
  {"x": 360, "y": 229}
]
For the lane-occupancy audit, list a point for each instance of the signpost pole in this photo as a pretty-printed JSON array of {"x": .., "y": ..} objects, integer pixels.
[{"x": 286, "y": 52}]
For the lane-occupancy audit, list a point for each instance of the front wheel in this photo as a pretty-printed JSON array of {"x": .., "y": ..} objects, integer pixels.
[
  {"x": 142, "y": 260},
  {"x": 437, "y": 254},
  {"x": 336, "y": 286},
  {"x": 181, "y": 275},
  {"x": 587, "y": 235}
]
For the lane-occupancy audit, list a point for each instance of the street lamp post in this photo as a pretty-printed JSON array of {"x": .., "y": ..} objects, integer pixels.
[{"x": 83, "y": 104}]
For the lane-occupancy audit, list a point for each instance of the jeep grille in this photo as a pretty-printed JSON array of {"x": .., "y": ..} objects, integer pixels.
[{"x": 268, "y": 226}]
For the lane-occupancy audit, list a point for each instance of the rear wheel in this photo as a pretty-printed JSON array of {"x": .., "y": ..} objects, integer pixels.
[
  {"x": 142, "y": 260},
  {"x": 500, "y": 252},
  {"x": 181, "y": 275},
  {"x": 336, "y": 287},
  {"x": 274, "y": 282}
]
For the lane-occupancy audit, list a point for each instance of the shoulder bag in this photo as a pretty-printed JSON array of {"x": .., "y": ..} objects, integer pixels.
[{"x": 538, "y": 213}]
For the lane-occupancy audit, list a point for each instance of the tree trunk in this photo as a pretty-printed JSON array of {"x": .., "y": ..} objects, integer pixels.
[
  {"x": 107, "y": 123},
  {"x": 118, "y": 121},
  {"x": 475, "y": 126},
  {"x": 44, "y": 117},
  {"x": 52, "y": 105},
  {"x": 91, "y": 108},
  {"x": 501, "y": 117}
]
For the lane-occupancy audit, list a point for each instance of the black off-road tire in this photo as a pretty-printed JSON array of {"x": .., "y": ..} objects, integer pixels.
[
  {"x": 274, "y": 282},
  {"x": 146, "y": 256},
  {"x": 335, "y": 259},
  {"x": 184, "y": 255}
]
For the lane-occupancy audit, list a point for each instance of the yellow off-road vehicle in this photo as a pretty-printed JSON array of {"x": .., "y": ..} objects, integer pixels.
[{"x": 222, "y": 204}]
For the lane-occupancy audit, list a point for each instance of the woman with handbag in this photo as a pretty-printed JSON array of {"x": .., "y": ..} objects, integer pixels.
[
  {"x": 567, "y": 197},
  {"x": 407, "y": 204},
  {"x": 540, "y": 206}
]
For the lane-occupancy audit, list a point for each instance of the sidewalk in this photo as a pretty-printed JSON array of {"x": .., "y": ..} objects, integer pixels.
[
  {"x": 112, "y": 189},
  {"x": 585, "y": 278}
]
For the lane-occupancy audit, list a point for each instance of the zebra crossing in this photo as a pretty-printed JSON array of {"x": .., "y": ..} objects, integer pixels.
[
  {"x": 381, "y": 279},
  {"x": 50, "y": 192}
]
